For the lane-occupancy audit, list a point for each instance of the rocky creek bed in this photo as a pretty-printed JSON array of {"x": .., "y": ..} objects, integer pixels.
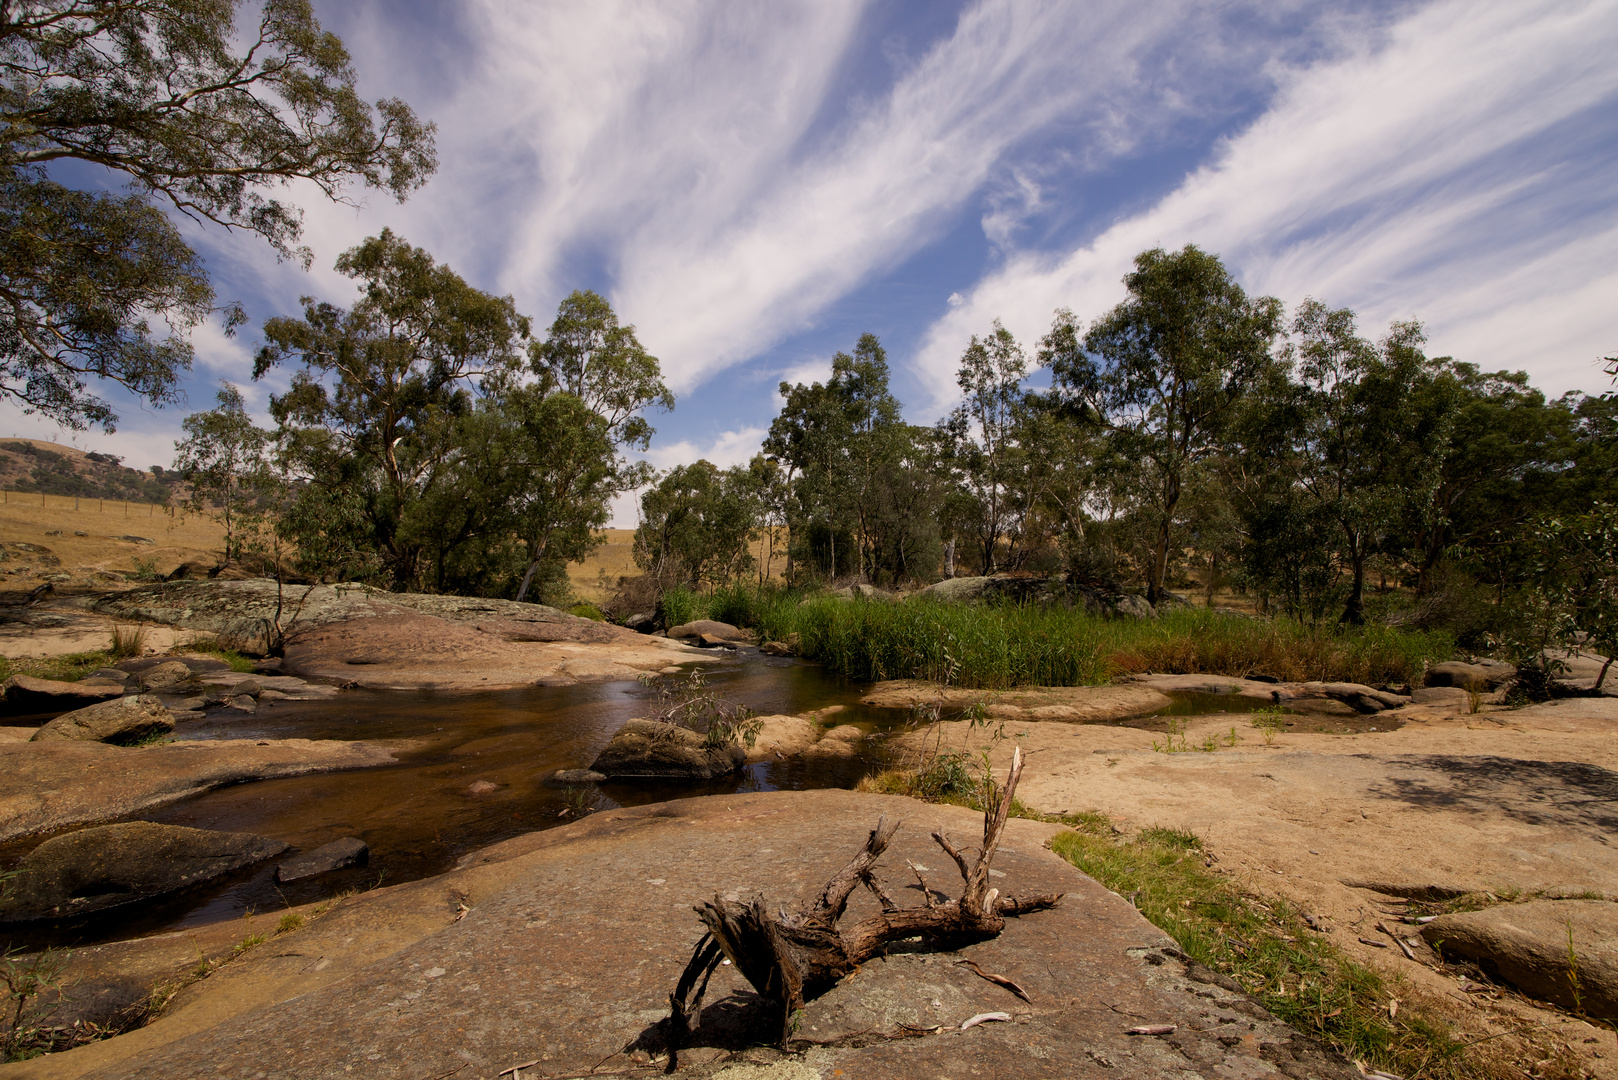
[{"x": 1359, "y": 801}]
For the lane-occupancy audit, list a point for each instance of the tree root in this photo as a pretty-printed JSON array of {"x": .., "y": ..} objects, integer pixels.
[{"x": 793, "y": 958}]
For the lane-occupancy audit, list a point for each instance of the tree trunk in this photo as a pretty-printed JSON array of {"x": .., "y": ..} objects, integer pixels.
[
  {"x": 790, "y": 959},
  {"x": 1160, "y": 554},
  {"x": 1354, "y": 610},
  {"x": 949, "y": 558},
  {"x": 528, "y": 578}
]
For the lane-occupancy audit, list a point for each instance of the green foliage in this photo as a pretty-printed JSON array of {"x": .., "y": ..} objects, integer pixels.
[
  {"x": 1271, "y": 720},
  {"x": 211, "y": 647},
  {"x": 198, "y": 113},
  {"x": 127, "y": 641},
  {"x": 686, "y": 701},
  {"x": 69, "y": 667},
  {"x": 374, "y": 452},
  {"x": 696, "y": 524},
  {"x": 223, "y": 458},
  {"x": 1164, "y": 371},
  {"x": 981, "y": 436},
  {"x": 587, "y": 611}
]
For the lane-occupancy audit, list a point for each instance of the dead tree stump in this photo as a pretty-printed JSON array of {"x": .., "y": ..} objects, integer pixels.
[{"x": 793, "y": 958}]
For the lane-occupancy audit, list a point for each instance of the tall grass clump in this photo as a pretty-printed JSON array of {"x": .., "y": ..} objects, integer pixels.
[
  {"x": 988, "y": 647},
  {"x": 999, "y": 646},
  {"x": 769, "y": 609},
  {"x": 1202, "y": 642}
]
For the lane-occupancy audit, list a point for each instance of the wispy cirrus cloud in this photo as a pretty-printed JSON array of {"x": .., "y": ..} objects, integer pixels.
[{"x": 1449, "y": 169}]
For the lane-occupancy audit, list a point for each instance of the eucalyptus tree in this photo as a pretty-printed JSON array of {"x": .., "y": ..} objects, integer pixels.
[
  {"x": 982, "y": 433},
  {"x": 224, "y": 458},
  {"x": 696, "y": 524},
  {"x": 835, "y": 438},
  {"x": 371, "y": 420},
  {"x": 571, "y": 428},
  {"x": 1163, "y": 371},
  {"x": 202, "y": 116}
]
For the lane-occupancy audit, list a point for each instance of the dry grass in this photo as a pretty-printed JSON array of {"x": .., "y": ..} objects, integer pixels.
[{"x": 179, "y": 539}]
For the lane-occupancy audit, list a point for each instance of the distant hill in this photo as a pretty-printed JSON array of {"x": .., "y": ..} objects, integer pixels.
[{"x": 34, "y": 466}]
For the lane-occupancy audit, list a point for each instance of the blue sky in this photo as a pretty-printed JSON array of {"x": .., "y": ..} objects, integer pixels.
[{"x": 754, "y": 185}]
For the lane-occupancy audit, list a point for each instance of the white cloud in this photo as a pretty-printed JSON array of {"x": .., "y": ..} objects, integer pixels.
[{"x": 1423, "y": 175}]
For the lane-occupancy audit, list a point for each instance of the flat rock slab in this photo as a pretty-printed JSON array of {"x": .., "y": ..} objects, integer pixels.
[
  {"x": 24, "y": 695},
  {"x": 405, "y": 650},
  {"x": 701, "y": 628},
  {"x": 112, "y": 865},
  {"x": 577, "y": 935},
  {"x": 46, "y": 786},
  {"x": 337, "y": 855},
  {"x": 1258, "y": 690},
  {"x": 1072, "y": 704},
  {"x": 1562, "y": 951}
]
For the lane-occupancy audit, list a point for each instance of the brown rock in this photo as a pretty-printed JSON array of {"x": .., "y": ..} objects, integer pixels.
[
  {"x": 652, "y": 749},
  {"x": 166, "y": 675},
  {"x": 712, "y": 628},
  {"x": 1458, "y": 673},
  {"x": 842, "y": 741},
  {"x": 1448, "y": 696},
  {"x": 580, "y": 932},
  {"x": 122, "y": 722},
  {"x": 111, "y": 865},
  {"x": 28, "y": 696},
  {"x": 1562, "y": 951},
  {"x": 783, "y": 737},
  {"x": 777, "y": 648},
  {"x": 337, "y": 855}
]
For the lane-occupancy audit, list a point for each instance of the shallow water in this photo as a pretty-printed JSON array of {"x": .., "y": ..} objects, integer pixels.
[{"x": 418, "y": 816}]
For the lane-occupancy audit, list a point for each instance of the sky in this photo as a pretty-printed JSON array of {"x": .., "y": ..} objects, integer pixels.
[{"x": 755, "y": 185}]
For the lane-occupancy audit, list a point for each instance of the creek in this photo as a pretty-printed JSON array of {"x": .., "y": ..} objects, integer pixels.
[{"x": 472, "y": 776}]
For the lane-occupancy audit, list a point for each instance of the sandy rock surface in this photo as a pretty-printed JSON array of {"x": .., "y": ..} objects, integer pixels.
[
  {"x": 1073, "y": 704},
  {"x": 1346, "y": 826},
  {"x": 784, "y": 737},
  {"x": 575, "y": 937},
  {"x": 51, "y": 785},
  {"x": 355, "y": 635}
]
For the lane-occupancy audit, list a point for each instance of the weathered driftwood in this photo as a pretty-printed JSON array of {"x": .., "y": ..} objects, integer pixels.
[{"x": 790, "y": 959}]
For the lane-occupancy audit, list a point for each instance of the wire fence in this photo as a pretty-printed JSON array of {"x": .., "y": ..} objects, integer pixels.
[{"x": 85, "y": 504}]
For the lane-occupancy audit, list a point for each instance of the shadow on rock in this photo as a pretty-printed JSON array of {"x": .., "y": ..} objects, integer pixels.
[{"x": 1568, "y": 793}]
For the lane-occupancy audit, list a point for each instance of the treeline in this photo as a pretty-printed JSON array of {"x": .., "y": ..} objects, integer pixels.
[
  {"x": 1193, "y": 436},
  {"x": 428, "y": 440}
]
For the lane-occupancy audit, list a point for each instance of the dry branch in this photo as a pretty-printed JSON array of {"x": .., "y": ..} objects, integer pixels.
[{"x": 793, "y": 958}]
